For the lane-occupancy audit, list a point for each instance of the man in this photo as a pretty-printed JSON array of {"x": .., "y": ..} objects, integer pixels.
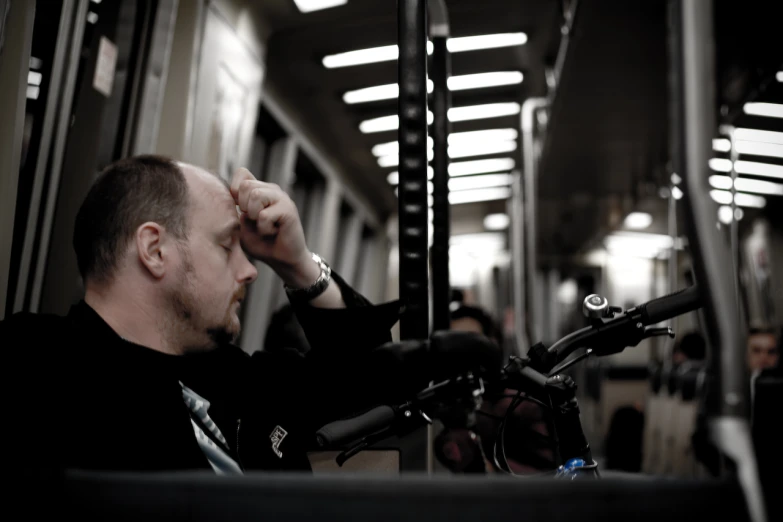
[
  {"x": 762, "y": 349},
  {"x": 141, "y": 374},
  {"x": 529, "y": 448}
]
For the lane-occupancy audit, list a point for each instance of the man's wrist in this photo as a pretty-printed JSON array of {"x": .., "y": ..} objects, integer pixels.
[{"x": 302, "y": 274}]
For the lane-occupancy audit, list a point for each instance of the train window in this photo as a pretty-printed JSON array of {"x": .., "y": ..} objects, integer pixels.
[
  {"x": 268, "y": 131},
  {"x": 36, "y": 135}
]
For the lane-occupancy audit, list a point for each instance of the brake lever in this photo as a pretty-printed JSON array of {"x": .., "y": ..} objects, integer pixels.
[{"x": 657, "y": 332}]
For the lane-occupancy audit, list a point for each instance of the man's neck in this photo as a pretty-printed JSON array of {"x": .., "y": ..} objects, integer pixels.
[{"x": 128, "y": 317}]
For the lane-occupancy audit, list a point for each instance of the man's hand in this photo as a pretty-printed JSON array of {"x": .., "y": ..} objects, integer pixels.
[{"x": 272, "y": 232}]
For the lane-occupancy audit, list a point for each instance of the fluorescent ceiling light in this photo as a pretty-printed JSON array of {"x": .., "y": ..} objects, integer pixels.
[
  {"x": 721, "y": 145},
  {"x": 752, "y": 168},
  {"x": 755, "y": 148},
  {"x": 759, "y": 169},
  {"x": 394, "y": 177},
  {"x": 758, "y": 186},
  {"x": 455, "y": 83},
  {"x": 393, "y": 147},
  {"x": 638, "y": 220},
  {"x": 479, "y": 182},
  {"x": 779, "y": 76},
  {"x": 384, "y": 53},
  {"x": 676, "y": 193},
  {"x": 676, "y": 180},
  {"x": 759, "y": 135},
  {"x": 481, "y": 149},
  {"x": 771, "y": 110},
  {"x": 487, "y": 41},
  {"x": 454, "y": 45},
  {"x": 720, "y": 164},
  {"x": 496, "y": 221},
  {"x": 637, "y": 244},
  {"x": 743, "y": 200},
  {"x": 475, "y": 196},
  {"x": 392, "y": 160},
  {"x": 482, "y": 80},
  {"x": 725, "y": 214},
  {"x": 92, "y": 18},
  {"x": 458, "y": 138},
  {"x": 478, "y": 112},
  {"x": 747, "y": 185},
  {"x": 34, "y": 78},
  {"x": 466, "y": 168},
  {"x": 308, "y": 6},
  {"x": 386, "y": 123},
  {"x": 720, "y": 182},
  {"x": 389, "y": 91},
  {"x": 32, "y": 92}
]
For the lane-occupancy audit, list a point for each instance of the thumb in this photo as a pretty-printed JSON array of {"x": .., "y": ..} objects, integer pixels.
[{"x": 240, "y": 175}]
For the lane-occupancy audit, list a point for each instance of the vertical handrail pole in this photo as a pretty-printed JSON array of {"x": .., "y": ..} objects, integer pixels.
[
  {"x": 727, "y": 396},
  {"x": 728, "y": 131},
  {"x": 530, "y": 195},
  {"x": 441, "y": 219},
  {"x": 517, "y": 230},
  {"x": 413, "y": 230}
]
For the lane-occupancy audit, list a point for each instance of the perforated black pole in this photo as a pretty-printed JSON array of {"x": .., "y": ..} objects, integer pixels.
[
  {"x": 412, "y": 70},
  {"x": 441, "y": 101}
]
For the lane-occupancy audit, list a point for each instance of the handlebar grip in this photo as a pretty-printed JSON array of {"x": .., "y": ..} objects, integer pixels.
[
  {"x": 671, "y": 305},
  {"x": 349, "y": 430}
]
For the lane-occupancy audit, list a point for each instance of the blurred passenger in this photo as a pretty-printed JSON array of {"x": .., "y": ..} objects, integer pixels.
[
  {"x": 142, "y": 373},
  {"x": 763, "y": 350},
  {"x": 528, "y": 446},
  {"x": 624, "y": 440},
  {"x": 691, "y": 347}
]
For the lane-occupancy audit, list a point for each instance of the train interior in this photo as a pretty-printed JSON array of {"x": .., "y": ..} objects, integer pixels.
[{"x": 569, "y": 165}]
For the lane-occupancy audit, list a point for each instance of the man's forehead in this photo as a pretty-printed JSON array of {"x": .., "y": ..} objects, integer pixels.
[{"x": 208, "y": 189}]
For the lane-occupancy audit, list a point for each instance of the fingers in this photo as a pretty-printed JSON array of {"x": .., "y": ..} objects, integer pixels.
[
  {"x": 242, "y": 174},
  {"x": 251, "y": 190},
  {"x": 271, "y": 219},
  {"x": 258, "y": 199}
]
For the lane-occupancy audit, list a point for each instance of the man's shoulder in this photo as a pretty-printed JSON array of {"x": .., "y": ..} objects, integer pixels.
[{"x": 32, "y": 324}]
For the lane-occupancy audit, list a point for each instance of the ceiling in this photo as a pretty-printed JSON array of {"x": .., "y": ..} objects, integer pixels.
[
  {"x": 605, "y": 150},
  {"x": 306, "y": 88}
]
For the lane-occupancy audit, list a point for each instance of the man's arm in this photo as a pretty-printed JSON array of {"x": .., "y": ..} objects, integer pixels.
[{"x": 272, "y": 232}]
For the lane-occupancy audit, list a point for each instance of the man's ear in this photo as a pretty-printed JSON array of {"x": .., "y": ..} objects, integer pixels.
[{"x": 149, "y": 246}]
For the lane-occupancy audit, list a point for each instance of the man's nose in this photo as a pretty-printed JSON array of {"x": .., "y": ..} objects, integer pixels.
[{"x": 248, "y": 272}]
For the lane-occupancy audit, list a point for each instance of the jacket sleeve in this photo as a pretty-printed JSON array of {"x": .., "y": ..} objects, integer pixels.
[
  {"x": 343, "y": 373},
  {"x": 344, "y": 332}
]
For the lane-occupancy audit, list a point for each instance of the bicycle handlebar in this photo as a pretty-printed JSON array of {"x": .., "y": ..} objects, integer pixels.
[
  {"x": 349, "y": 430},
  {"x": 671, "y": 305},
  {"x": 606, "y": 336}
]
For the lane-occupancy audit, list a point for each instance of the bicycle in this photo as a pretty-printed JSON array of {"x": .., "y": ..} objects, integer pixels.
[{"x": 538, "y": 377}]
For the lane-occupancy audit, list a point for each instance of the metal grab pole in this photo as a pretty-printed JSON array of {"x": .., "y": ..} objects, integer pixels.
[
  {"x": 530, "y": 194},
  {"x": 727, "y": 399},
  {"x": 441, "y": 101},
  {"x": 728, "y": 131},
  {"x": 522, "y": 343},
  {"x": 412, "y": 69}
]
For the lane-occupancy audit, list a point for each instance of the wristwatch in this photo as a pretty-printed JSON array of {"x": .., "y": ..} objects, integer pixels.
[{"x": 303, "y": 295}]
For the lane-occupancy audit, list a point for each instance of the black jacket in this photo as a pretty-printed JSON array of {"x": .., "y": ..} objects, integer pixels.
[{"x": 76, "y": 395}]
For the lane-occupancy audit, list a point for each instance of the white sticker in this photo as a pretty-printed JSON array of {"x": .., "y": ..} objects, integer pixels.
[{"x": 104, "y": 69}]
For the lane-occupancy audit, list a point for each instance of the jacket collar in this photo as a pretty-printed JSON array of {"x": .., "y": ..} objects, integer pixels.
[{"x": 91, "y": 325}]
